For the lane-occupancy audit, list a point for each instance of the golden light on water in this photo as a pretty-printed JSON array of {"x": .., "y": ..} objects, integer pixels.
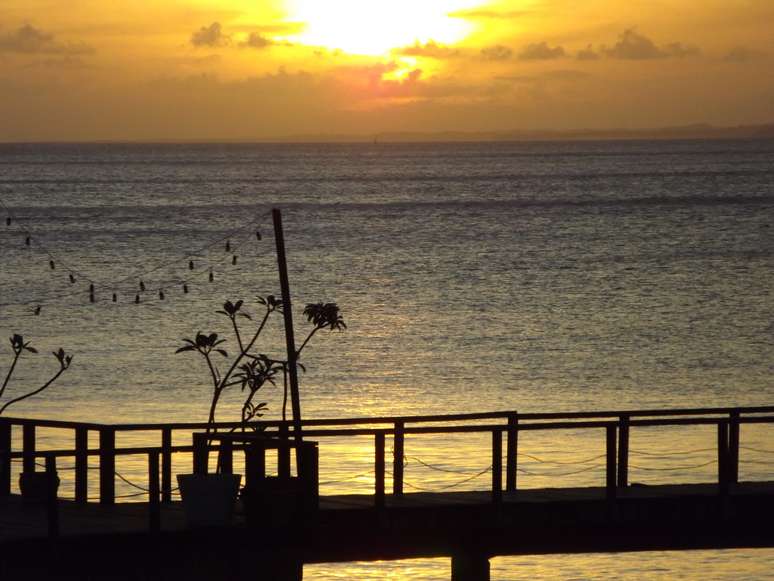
[{"x": 376, "y": 28}]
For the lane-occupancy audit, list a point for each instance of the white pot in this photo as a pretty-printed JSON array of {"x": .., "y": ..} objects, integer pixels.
[{"x": 208, "y": 499}]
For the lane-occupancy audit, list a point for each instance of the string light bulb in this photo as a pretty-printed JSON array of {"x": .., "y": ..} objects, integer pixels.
[
  {"x": 72, "y": 278},
  {"x": 161, "y": 294},
  {"x": 27, "y": 241},
  {"x": 212, "y": 276},
  {"x": 115, "y": 297},
  {"x": 228, "y": 245},
  {"x": 52, "y": 265},
  {"x": 234, "y": 259},
  {"x": 185, "y": 288},
  {"x": 37, "y": 310},
  {"x": 142, "y": 286},
  {"x": 258, "y": 235},
  {"x": 190, "y": 265},
  {"x": 8, "y": 221},
  {"x": 136, "y": 299}
]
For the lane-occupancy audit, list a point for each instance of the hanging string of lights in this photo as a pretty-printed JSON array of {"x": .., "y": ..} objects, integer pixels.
[{"x": 114, "y": 291}]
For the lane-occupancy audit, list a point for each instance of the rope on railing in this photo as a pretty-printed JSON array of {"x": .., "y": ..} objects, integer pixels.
[
  {"x": 552, "y": 474},
  {"x": 758, "y": 450},
  {"x": 672, "y": 468},
  {"x": 562, "y": 462},
  {"x": 449, "y": 486},
  {"x": 668, "y": 454}
]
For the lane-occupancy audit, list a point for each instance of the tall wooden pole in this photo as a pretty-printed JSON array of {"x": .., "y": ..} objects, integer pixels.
[{"x": 287, "y": 310}]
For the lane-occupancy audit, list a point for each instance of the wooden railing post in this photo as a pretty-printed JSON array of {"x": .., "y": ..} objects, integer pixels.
[
  {"x": 28, "y": 447},
  {"x": 397, "y": 458},
  {"x": 512, "y": 452},
  {"x": 255, "y": 464},
  {"x": 107, "y": 465},
  {"x": 226, "y": 457},
  {"x": 379, "y": 469},
  {"x": 623, "y": 451},
  {"x": 81, "y": 465},
  {"x": 6, "y": 443},
  {"x": 52, "y": 506},
  {"x": 723, "y": 463},
  {"x": 610, "y": 448},
  {"x": 154, "y": 506},
  {"x": 166, "y": 465},
  {"x": 200, "y": 453},
  {"x": 497, "y": 466},
  {"x": 733, "y": 448},
  {"x": 283, "y": 453},
  {"x": 310, "y": 475}
]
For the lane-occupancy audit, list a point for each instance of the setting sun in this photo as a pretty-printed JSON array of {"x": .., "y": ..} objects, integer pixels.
[{"x": 374, "y": 28}]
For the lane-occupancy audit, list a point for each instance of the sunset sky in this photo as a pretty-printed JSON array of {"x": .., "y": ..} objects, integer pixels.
[{"x": 231, "y": 69}]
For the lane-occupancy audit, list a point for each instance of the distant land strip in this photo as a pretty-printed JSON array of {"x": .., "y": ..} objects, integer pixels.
[{"x": 683, "y": 132}]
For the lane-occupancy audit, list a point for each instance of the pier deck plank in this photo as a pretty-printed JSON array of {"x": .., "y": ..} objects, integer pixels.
[{"x": 19, "y": 521}]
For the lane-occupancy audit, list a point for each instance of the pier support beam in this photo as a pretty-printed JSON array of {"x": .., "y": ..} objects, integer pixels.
[{"x": 469, "y": 566}]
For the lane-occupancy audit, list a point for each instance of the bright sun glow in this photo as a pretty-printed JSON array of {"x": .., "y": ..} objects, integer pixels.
[{"x": 371, "y": 27}]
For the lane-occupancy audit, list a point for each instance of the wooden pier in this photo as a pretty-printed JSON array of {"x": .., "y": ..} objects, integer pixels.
[{"x": 78, "y": 539}]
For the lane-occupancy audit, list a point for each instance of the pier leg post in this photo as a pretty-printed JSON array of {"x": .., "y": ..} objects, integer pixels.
[
  {"x": 733, "y": 448},
  {"x": 200, "y": 454},
  {"x": 5, "y": 458},
  {"x": 52, "y": 506},
  {"x": 107, "y": 465},
  {"x": 610, "y": 483},
  {"x": 154, "y": 507},
  {"x": 723, "y": 468},
  {"x": 397, "y": 459},
  {"x": 226, "y": 457},
  {"x": 623, "y": 452},
  {"x": 379, "y": 470},
  {"x": 81, "y": 465},
  {"x": 28, "y": 447},
  {"x": 283, "y": 453},
  {"x": 469, "y": 566},
  {"x": 511, "y": 452},
  {"x": 497, "y": 466},
  {"x": 166, "y": 465}
]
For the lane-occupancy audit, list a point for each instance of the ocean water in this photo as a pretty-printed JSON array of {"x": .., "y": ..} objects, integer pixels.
[{"x": 472, "y": 277}]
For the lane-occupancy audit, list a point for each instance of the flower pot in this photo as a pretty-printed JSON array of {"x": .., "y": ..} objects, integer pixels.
[
  {"x": 208, "y": 499},
  {"x": 34, "y": 486}
]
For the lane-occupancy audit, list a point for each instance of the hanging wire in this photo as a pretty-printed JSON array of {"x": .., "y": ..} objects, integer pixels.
[{"x": 137, "y": 275}]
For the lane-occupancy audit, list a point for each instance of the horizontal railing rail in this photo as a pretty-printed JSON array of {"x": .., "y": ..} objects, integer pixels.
[{"x": 616, "y": 425}]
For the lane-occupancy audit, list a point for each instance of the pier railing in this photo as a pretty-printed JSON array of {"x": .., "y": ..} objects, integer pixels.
[{"x": 503, "y": 426}]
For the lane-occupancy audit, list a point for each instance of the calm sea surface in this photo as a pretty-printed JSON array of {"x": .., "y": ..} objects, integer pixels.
[{"x": 472, "y": 277}]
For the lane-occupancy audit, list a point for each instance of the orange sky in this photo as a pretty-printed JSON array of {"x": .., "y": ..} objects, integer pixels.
[{"x": 239, "y": 69}]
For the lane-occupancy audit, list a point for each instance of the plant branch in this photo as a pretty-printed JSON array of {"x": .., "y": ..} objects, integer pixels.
[
  {"x": 238, "y": 335},
  {"x": 243, "y": 352},
  {"x": 37, "y": 391},
  {"x": 16, "y": 356},
  {"x": 311, "y": 334}
]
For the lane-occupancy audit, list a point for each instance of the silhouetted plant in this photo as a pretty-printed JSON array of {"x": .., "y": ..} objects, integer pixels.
[
  {"x": 19, "y": 347},
  {"x": 252, "y": 371}
]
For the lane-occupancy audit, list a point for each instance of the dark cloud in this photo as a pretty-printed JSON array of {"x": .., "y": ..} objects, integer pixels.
[
  {"x": 211, "y": 36},
  {"x": 430, "y": 49},
  {"x": 632, "y": 45},
  {"x": 30, "y": 40},
  {"x": 541, "y": 51},
  {"x": 587, "y": 54},
  {"x": 498, "y": 52},
  {"x": 257, "y": 40},
  {"x": 742, "y": 54}
]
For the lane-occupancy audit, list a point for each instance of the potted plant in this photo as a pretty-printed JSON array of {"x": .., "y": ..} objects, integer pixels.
[
  {"x": 34, "y": 485},
  {"x": 249, "y": 371}
]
